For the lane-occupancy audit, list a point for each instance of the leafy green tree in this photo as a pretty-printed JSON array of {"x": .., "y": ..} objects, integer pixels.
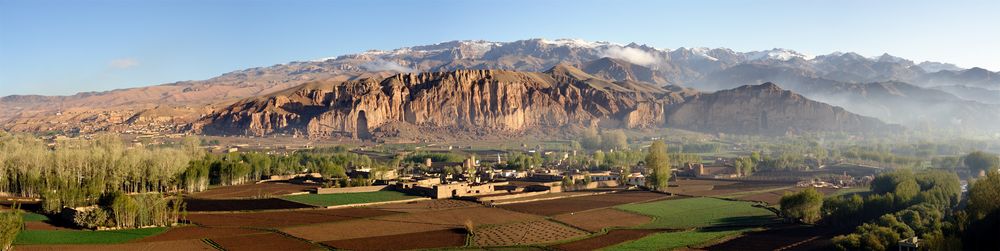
[
  {"x": 615, "y": 139},
  {"x": 803, "y": 206},
  {"x": 11, "y": 222},
  {"x": 591, "y": 139},
  {"x": 981, "y": 162},
  {"x": 984, "y": 196},
  {"x": 658, "y": 162},
  {"x": 599, "y": 158}
]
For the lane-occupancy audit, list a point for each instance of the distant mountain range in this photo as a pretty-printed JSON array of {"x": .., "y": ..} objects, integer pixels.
[{"x": 893, "y": 89}]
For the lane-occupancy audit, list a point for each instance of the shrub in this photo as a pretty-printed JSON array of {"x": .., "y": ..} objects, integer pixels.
[
  {"x": 92, "y": 219},
  {"x": 10, "y": 225}
]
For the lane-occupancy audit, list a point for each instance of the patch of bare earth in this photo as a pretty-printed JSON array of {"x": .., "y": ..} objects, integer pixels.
[
  {"x": 605, "y": 240},
  {"x": 426, "y": 205},
  {"x": 224, "y": 205},
  {"x": 263, "y": 242},
  {"x": 41, "y": 225},
  {"x": 419, "y": 240},
  {"x": 524, "y": 233},
  {"x": 407, "y": 223},
  {"x": 197, "y": 233},
  {"x": 283, "y": 218},
  {"x": 151, "y": 246}
]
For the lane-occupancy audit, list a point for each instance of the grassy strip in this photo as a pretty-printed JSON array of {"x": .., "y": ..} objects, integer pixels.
[
  {"x": 699, "y": 212},
  {"x": 849, "y": 191},
  {"x": 31, "y": 237},
  {"x": 29, "y": 216},
  {"x": 741, "y": 194},
  {"x": 324, "y": 200},
  {"x": 672, "y": 240}
]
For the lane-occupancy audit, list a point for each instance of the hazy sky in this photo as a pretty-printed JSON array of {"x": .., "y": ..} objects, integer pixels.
[{"x": 64, "y": 47}]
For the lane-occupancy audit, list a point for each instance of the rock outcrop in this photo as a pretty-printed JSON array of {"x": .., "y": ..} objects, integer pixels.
[
  {"x": 484, "y": 103},
  {"x": 473, "y": 101}
]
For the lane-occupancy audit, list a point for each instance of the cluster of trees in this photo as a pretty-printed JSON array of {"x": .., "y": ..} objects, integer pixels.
[
  {"x": 420, "y": 157},
  {"x": 700, "y": 148},
  {"x": 682, "y": 159},
  {"x": 521, "y": 161},
  {"x": 617, "y": 159},
  {"x": 77, "y": 172},
  {"x": 880, "y": 155},
  {"x": 784, "y": 161},
  {"x": 119, "y": 210},
  {"x": 894, "y": 191},
  {"x": 240, "y": 168},
  {"x": 981, "y": 162},
  {"x": 746, "y": 165},
  {"x": 609, "y": 139},
  {"x": 925, "y": 221},
  {"x": 981, "y": 221},
  {"x": 901, "y": 204}
]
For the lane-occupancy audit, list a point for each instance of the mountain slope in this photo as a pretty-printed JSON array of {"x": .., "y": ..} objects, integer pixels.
[
  {"x": 892, "y": 101},
  {"x": 765, "y": 109}
]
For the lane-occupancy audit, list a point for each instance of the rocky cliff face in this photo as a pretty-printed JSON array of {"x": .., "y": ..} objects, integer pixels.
[
  {"x": 484, "y": 103},
  {"x": 471, "y": 101},
  {"x": 765, "y": 109}
]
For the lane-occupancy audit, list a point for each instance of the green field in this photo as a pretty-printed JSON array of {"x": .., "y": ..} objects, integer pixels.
[
  {"x": 323, "y": 200},
  {"x": 29, "y": 237},
  {"x": 700, "y": 212},
  {"x": 672, "y": 240},
  {"x": 29, "y": 216}
]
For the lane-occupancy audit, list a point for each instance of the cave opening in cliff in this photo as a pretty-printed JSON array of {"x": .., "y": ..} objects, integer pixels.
[{"x": 362, "y": 127}]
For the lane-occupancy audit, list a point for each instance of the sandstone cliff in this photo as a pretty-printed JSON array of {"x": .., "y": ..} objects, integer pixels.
[
  {"x": 476, "y": 102},
  {"x": 496, "y": 103}
]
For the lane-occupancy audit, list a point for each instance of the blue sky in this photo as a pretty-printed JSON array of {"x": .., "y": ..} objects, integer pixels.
[{"x": 64, "y": 47}]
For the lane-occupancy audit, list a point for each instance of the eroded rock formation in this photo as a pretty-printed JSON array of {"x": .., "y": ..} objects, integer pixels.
[
  {"x": 467, "y": 100},
  {"x": 497, "y": 102}
]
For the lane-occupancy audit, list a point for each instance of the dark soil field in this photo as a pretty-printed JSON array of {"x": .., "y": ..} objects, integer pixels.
[
  {"x": 202, "y": 205},
  {"x": 197, "y": 233},
  {"x": 263, "y": 242},
  {"x": 43, "y": 225},
  {"x": 251, "y": 191},
  {"x": 596, "y": 220},
  {"x": 426, "y": 205},
  {"x": 420, "y": 240},
  {"x": 611, "y": 238},
  {"x": 356, "y": 229},
  {"x": 408, "y": 223},
  {"x": 283, "y": 218},
  {"x": 524, "y": 233},
  {"x": 583, "y": 203},
  {"x": 147, "y": 246},
  {"x": 457, "y": 217},
  {"x": 786, "y": 238}
]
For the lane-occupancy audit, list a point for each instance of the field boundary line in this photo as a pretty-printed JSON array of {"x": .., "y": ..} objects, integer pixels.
[
  {"x": 286, "y": 235},
  {"x": 212, "y": 244}
]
